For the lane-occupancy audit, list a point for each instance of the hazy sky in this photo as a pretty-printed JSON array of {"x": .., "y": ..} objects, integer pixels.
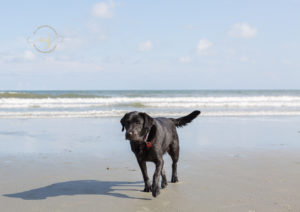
[{"x": 143, "y": 44}]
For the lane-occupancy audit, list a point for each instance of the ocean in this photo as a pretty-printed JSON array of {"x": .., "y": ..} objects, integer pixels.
[{"x": 170, "y": 103}]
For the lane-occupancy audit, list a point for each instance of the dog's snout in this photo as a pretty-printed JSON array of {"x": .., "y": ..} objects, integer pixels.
[{"x": 129, "y": 134}]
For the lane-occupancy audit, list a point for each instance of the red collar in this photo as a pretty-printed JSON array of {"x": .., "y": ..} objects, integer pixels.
[{"x": 148, "y": 143}]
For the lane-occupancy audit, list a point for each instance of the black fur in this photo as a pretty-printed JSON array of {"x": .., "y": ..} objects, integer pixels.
[
  {"x": 162, "y": 134},
  {"x": 183, "y": 121}
]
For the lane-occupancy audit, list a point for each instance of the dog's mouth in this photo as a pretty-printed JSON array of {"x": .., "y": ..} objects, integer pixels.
[
  {"x": 139, "y": 138},
  {"x": 133, "y": 138}
]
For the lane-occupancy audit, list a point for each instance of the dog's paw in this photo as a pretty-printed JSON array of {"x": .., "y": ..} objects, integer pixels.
[
  {"x": 174, "y": 179},
  {"x": 155, "y": 191},
  {"x": 164, "y": 184},
  {"x": 147, "y": 189}
]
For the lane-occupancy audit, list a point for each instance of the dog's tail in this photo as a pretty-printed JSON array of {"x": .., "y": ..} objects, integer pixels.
[{"x": 182, "y": 121}]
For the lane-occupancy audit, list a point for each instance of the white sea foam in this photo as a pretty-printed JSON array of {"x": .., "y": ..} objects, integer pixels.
[
  {"x": 43, "y": 106},
  {"x": 119, "y": 113},
  {"x": 167, "y": 102}
]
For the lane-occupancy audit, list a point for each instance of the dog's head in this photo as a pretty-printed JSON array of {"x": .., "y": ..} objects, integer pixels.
[{"x": 138, "y": 126}]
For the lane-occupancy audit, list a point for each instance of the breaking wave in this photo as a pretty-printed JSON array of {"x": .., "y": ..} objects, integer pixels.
[{"x": 158, "y": 103}]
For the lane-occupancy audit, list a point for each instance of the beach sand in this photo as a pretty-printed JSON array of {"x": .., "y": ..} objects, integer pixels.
[{"x": 226, "y": 164}]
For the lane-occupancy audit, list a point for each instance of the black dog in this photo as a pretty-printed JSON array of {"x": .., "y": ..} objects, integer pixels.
[{"x": 150, "y": 138}]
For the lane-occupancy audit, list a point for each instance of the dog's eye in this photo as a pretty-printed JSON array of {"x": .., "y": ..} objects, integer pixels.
[{"x": 137, "y": 122}]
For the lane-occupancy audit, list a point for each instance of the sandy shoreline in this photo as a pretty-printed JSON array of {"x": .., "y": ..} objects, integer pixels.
[{"x": 256, "y": 168}]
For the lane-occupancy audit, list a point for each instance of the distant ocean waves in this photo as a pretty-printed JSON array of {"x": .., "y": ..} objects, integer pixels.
[
  {"x": 119, "y": 113},
  {"x": 52, "y": 104}
]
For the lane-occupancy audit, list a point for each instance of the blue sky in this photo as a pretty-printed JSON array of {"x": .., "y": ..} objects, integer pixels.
[{"x": 145, "y": 44}]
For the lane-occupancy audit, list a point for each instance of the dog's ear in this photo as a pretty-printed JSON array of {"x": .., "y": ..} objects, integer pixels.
[
  {"x": 123, "y": 121},
  {"x": 152, "y": 133},
  {"x": 148, "y": 122}
]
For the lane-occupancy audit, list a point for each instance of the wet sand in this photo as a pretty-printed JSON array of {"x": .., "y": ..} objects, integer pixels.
[{"x": 226, "y": 164}]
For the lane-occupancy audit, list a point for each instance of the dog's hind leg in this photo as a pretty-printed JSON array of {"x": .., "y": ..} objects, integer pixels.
[
  {"x": 143, "y": 167},
  {"x": 174, "y": 153},
  {"x": 164, "y": 182}
]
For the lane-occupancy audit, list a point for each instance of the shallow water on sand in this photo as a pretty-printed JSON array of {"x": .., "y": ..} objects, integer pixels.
[{"x": 103, "y": 136}]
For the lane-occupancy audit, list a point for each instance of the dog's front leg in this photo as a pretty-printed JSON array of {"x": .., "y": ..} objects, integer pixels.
[
  {"x": 143, "y": 167},
  {"x": 155, "y": 184}
]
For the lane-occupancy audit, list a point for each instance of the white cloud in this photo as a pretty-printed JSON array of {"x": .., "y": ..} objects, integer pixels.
[
  {"x": 49, "y": 64},
  {"x": 244, "y": 59},
  {"x": 98, "y": 30},
  {"x": 290, "y": 45},
  {"x": 185, "y": 59},
  {"x": 10, "y": 57},
  {"x": 103, "y": 9},
  {"x": 230, "y": 52},
  {"x": 7, "y": 57},
  {"x": 145, "y": 46},
  {"x": 242, "y": 30},
  {"x": 287, "y": 62},
  {"x": 28, "y": 55},
  {"x": 70, "y": 44},
  {"x": 204, "y": 45}
]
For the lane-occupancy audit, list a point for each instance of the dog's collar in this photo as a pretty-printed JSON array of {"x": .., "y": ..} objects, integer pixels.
[{"x": 148, "y": 143}]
